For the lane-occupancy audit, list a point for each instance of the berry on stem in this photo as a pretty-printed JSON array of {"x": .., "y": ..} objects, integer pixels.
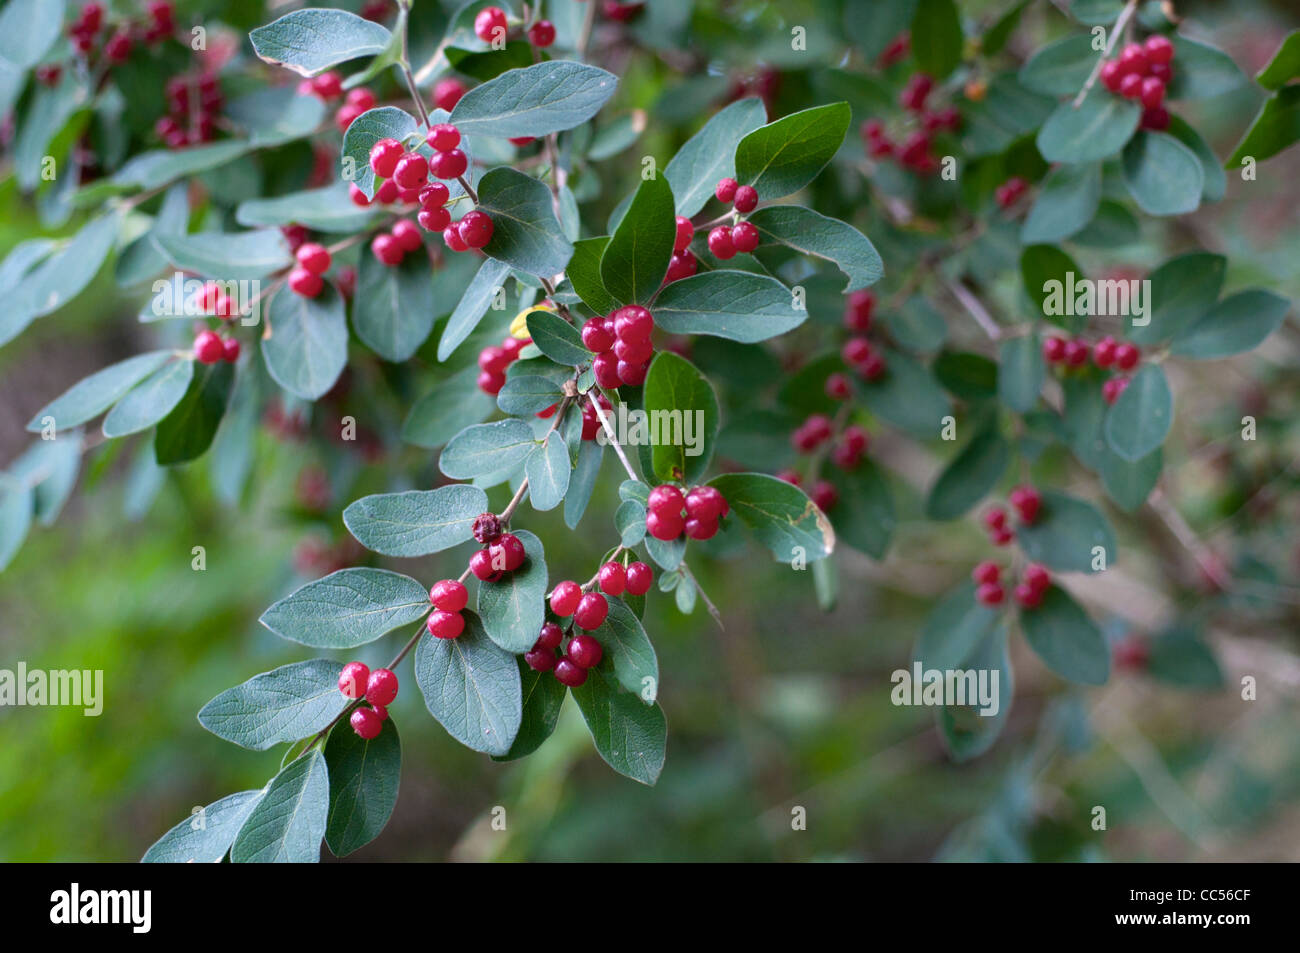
[
  {"x": 443, "y": 137},
  {"x": 685, "y": 233},
  {"x": 449, "y": 164},
  {"x": 490, "y": 25},
  {"x": 353, "y": 679},
  {"x": 726, "y": 190},
  {"x": 567, "y": 672},
  {"x": 549, "y": 636},
  {"x": 314, "y": 257},
  {"x": 384, "y": 156},
  {"x": 591, "y": 612},
  {"x": 305, "y": 283},
  {"x": 381, "y": 688},
  {"x": 639, "y": 578},
  {"x": 613, "y": 579},
  {"x": 208, "y": 347},
  {"x": 445, "y": 625},
  {"x": 584, "y": 651},
  {"x": 565, "y": 598},
  {"x": 746, "y": 199},
  {"x": 366, "y": 723},
  {"x": 542, "y": 34},
  {"x": 449, "y": 594},
  {"x": 986, "y": 572}
]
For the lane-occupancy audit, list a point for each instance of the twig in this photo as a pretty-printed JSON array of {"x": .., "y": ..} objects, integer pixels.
[
  {"x": 609, "y": 432},
  {"x": 1116, "y": 30},
  {"x": 469, "y": 189},
  {"x": 410, "y": 78},
  {"x": 974, "y": 307},
  {"x": 1205, "y": 558},
  {"x": 708, "y": 603}
]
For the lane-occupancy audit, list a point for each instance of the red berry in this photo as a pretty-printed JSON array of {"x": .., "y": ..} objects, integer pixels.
[
  {"x": 915, "y": 92},
  {"x": 986, "y": 572},
  {"x": 706, "y": 503},
  {"x": 445, "y": 625},
  {"x": 475, "y": 229},
  {"x": 1157, "y": 120},
  {"x": 1112, "y": 388},
  {"x": 407, "y": 235},
  {"x": 447, "y": 93},
  {"x": 353, "y": 679},
  {"x": 508, "y": 552},
  {"x": 327, "y": 85},
  {"x": 1133, "y": 59},
  {"x": 565, "y": 597},
  {"x": 411, "y": 171},
  {"x": 664, "y": 526},
  {"x": 1054, "y": 350},
  {"x": 443, "y": 137},
  {"x": 305, "y": 283},
  {"x": 490, "y": 25},
  {"x": 1111, "y": 74},
  {"x": 540, "y": 660},
  {"x": 480, "y": 564},
  {"x": 387, "y": 193},
  {"x": 384, "y": 156},
  {"x": 990, "y": 594},
  {"x": 872, "y": 367},
  {"x": 542, "y": 33},
  {"x": 433, "y": 219},
  {"x": 449, "y": 164},
  {"x": 315, "y": 258},
  {"x": 856, "y": 351},
  {"x": 880, "y": 148},
  {"x": 591, "y": 612},
  {"x": 495, "y": 359},
  {"x": 744, "y": 237},
  {"x": 995, "y": 519},
  {"x": 720, "y": 243},
  {"x": 381, "y": 688},
  {"x": 696, "y": 528},
  {"x": 361, "y": 98},
  {"x": 230, "y": 349},
  {"x": 434, "y": 195},
  {"x": 633, "y": 323},
  {"x": 666, "y": 500},
  {"x": 838, "y": 387},
  {"x": 633, "y": 374},
  {"x": 858, "y": 310},
  {"x": 632, "y": 352},
  {"x": 570, "y": 674},
  {"x": 449, "y": 594},
  {"x": 118, "y": 47},
  {"x": 685, "y": 232},
  {"x": 521, "y": 141},
  {"x": 1076, "y": 352},
  {"x": 746, "y": 198},
  {"x": 208, "y": 348},
  {"x": 639, "y": 578},
  {"x": 1130, "y": 87},
  {"x": 726, "y": 190},
  {"x": 605, "y": 367},
  {"x": 1127, "y": 356},
  {"x": 1153, "y": 92},
  {"x": 358, "y": 195},
  {"x": 451, "y": 236},
  {"x": 584, "y": 651},
  {"x": 1027, "y": 596},
  {"x": 1158, "y": 49},
  {"x": 1001, "y": 537},
  {"x": 1026, "y": 501},
  {"x": 1037, "y": 576},
  {"x": 549, "y": 636},
  {"x": 366, "y": 723},
  {"x": 824, "y": 495},
  {"x": 594, "y": 336},
  {"x": 512, "y": 346},
  {"x": 1103, "y": 352},
  {"x": 387, "y": 249}
]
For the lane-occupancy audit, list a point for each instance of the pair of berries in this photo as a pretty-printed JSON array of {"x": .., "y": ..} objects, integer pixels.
[
  {"x": 1009, "y": 192},
  {"x": 823, "y": 492},
  {"x": 379, "y": 688},
  {"x": 622, "y": 345},
  {"x": 1033, "y": 585},
  {"x": 613, "y": 578},
  {"x": 190, "y": 118},
  {"x": 492, "y": 26},
  {"x": 848, "y": 452},
  {"x": 313, "y": 261},
  {"x": 726, "y": 241},
  {"x": 211, "y": 348},
  {"x": 859, "y": 308},
  {"x": 212, "y": 300},
  {"x": 493, "y": 361},
  {"x": 358, "y": 101},
  {"x": 589, "y": 610},
  {"x": 473, "y": 230},
  {"x": 743, "y": 197},
  {"x": 812, "y": 433},
  {"x": 862, "y": 358},
  {"x": 501, "y": 553},
  {"x": 683, "y": 262},
  {"x": 1026, "y": 501},
  {"x": 583, "y": 652},
  {"x": 449, "y": 598},
  {"x": 669, "y": 513},
  {"x": 392, "y": 246}
]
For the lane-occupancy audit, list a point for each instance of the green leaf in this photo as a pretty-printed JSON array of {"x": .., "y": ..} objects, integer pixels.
[
  {"x": 1114, "y": 226},
  {"x": 151, "y": 400},
  {"x": 189, "y": 429},
  {"x": 548, "y": 470},
  {"x": 1084, "y": 419},
  {"x": 1065, "y": 533},
  {"x": 487, "y": 448},
  {"x": 93, "y": 395},
  {"x": 954, "y": 630},
  {"x": 231, "y": 256},
  {"x": 60, "y": 277},
  {"x": 629, "y": 520},
  {"x": 784, "y": 156},
  {"x": 1202, "y": 71},
  {"x": 970, "y": 730},
  {"x": 534, "y": 101},
  {"x": 17, "y": 501},
  {"x": 1180, "y": 658},
  {"x": 871, "y": 26},
  {"x": 583, "y": 482},
  {"x": 415, "y": 522},
  {"x": 629, "y": 659},
  {"x": 1163, "y": 175},
  {"x": 364, "y": 776},
  {"x": 864, "y": 516},
  {"x": 970, "y": 476},
  {"x": 635, "y": 261},
  {"x": 28, "y": 28},
  {"x": 311, "y": 41},
  {"x": 1139, "y": 420},
  {"x": 780, "y": 515},
  {"x": 814, "y": 234},
  {"x": 680, "y": 397},
  {"x": 630, "y": 737},
  {"x": 1238, "y": 323},
  {"x": 488, "y": 281},
  {"x": 385, "y": 122},
  {"x": 439, "y": 415},
  {"x": 1007, "y": 112},
  {"x": 526, "y": 234},
  {"x": 1066, "y": 202},
  {"x": 288, "y": 823},
  {"x": 709, "y": 155},
  {"x": 1040, "y": 267},
  {"x": 737, "y": 305},
  {"x": 204, "y": 837},
  {"x": 142, "y": 259},
  {"x": 161, "y": 167},
  {"x": 307, "y": 346},
  {"x": 472, "y": 687},
  {"x": 327, "y": 209},
  {"x": 1098, "y": 129},
  {"x": 556, "y": 338},
  {"x": 543, "y": 697},
  {"x": 347, "y": 608},
  {"x": 1215, "y": 182},
  {"x": 1067, "y": 641},
  {"x": 937, "y": 38},
  {"x": 513, "y": 610},
  {"x": 966, "y": 375},
  {"x": 1129, "y": 484},
  {"x": 1060, "y": 68},
  {"x": 1021, "y": 371},
  {"x": 907, "y": 396},
  {"x": 1284, "y": 66},
  {"x": 51, "y": 468},
  {"x": 393, "y": 310},
  {"x": 583, "y": 272},
  {"x": 528, "y": 394},
  {"x": 284, "y": 704},
  {"x": 1182, "y": 290}
]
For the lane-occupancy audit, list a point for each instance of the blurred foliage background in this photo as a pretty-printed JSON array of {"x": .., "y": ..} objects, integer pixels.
[{"x": 787, "y": 706}]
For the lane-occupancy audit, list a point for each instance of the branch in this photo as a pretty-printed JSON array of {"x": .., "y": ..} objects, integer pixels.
[
  {"x": 609, "y": 432},
  {"x": 974, "y": 307}
]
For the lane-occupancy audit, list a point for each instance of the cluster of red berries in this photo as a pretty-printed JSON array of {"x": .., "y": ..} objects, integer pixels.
[
  {"x": 379, "y": 688},
  {"x": 1142, "y": 72},
  {"x": 1009, "y": 192},
  {"x": 862, "y": 358},
  {"x": 589, "y": 611},
  {"x": 817, "y": 430},
  {"x": 669, "y": 513},
  {"x": 449, "y": 599},
  {"x": 313, "y": 261},
  {"x": 502, "y": 552},
  {"x": 621, "y": 342},
  {"x": 328, "y": 87},
  {"x": 823, "y": 492},
  {"x": 193, "y": 105},
  {"x": 493, "y": 361},
  {"x": 1106, "y": 353},
  {"x": 492, "y": 26},
  {"x": 916, "y": 151},
  {"x": 744, "y": 198},
  {"x": 211, "y": 348},
  {"x": 1026, "y": 501},
  {"x": 1029, "y": 592},
  {"x": 84, "y": 31},
  {"x": 683, "y": 262},
  {"x": 897, "y": 49}
]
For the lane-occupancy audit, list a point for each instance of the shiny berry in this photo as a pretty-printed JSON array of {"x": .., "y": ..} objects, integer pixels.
[
  {"x": 384, "y": 156},
  {"x": 664, "y": 526},
  {"x": 594, "y": 336},
  {"x": 666, "y": 500},
  {"x": 447, "y": 93},
  {"x": 685, "y": 232},
  {"x": 490, "y": 25},
  {"x": 443, "y": 137},
  {"x": 1112, "y": 388},
  {"x": 1153, "y": 92},
  {"x": 746, "y": 198},
  {"x": 449, "y": 164},
  {"x": 358, "y": 195},
  {"x": 353, "y": 679},
  {"x": 1054, "y": 350},
  {"x": 633, "y": 323},
  {"x": 613, "y": 579},
  {"x": 480, "y": 564},
  {"x": 567, "y": 672},
  {"x": 366, "y": 723},
  {"x": 838, "y": 387},
  {"x": 449, "y": 594},
  {"x": 433, "y": 219},
  {"x": 744, "y": 237},
  {"x": 584, "y": 651},
  {"x": 303, "y": 282},
  {"x": 1076, "y": 352},
  {"x": 1027, "y": 596},
  {"x": 1103, "y": 352},
  {"x": 508, "y": 552},
  {"x": 565, "y": 597},
  {"x": 407, "y": 235},
  {"x": 1158, "y": 49},
  {"x": 381, "y": 688},
  {"x": 445, "y": 625},
  {"x": 540, "y": 660},
  {"x": 591, "y": 612},
  {"x": 230, "y": 350},
  {"x": 1037, "y": 576},
  {"x": 208, "y": 348},
  {"x": 549, "y": 636},
  {"x": 542, "y": 33},
  {"x": 1111, "y": 75},
  {"x": 726, "y": 190},
  {"x": 1127, "y": 356},
  {"x": 721, "y": 244},
  {"x": 387, "y": 249},
  {"x": 1130, "y": 87},
  {"x": 639, "y": 578},
  {"x": 476, "y": 229},
  {"x": 451, "y": 236},
  {"x": 315, "y": 258}
]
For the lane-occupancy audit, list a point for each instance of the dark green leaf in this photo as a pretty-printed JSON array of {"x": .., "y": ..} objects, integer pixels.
[
  {"x": 1182, "y": 289},
  {"x": 634, "y": 263},
  {"x": 471, "y": 686},
  {"x": 1163, "y": 175},
  {"x": 543, "y": 697},
  {"x": 810, "y": 233},
  {"x": 1020, "y": 372},
  {"x": 534, "y": 101},
  {"x": 680, "y": 404},
  {"x": 864, "y": 516},
  {"x": 970, "y": 476},
  {"x": 1067, "y": 641},
  {"x": 385, "y": 122},
  {"x": 1098, "y": 129},
  {"x": 288, "y": 823},
  {"x": 1129, "y": 484},
  {"x": 1139, "y": 421},
  {"x": 439, "y": 415},
  {"x": 364, "y": 776},
  {"x": 1066, "y": 532},
  {"x": 1045, "y": 270},
  {"x": 528, "y": 394},
  {"x": 954, "y": 630},
  {"x": 970, "y": 730},
  {"x": 1067, "y": 201},
  {"x": 556, "y": 338},
  {"x": 392, "y": 310},
  {"x": 709, "y": 155},
  {"x": 189, "y": 429},
  {"x": 583, "y": 273},
  {"x": 307, "y": 346},
  {"x": 1202, "y": 71},
  {"x": 937, "y": 38},
  {"x": 526, "y": 234},
  {"x": 488, "y": 282},
  {"x": 737, "y": 305},
  {"x": 513, "y": 609},
  {"x": 1060, "y": 68},
  {"x": 1238, "y": 323},
  {"x": 907, "y": 396},
  {"x": 630, "y": 737},
  {"x": 780, "y": 515},
  {"x": 1284, "y": 66},
  {"x": 784, "y": 156}
]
